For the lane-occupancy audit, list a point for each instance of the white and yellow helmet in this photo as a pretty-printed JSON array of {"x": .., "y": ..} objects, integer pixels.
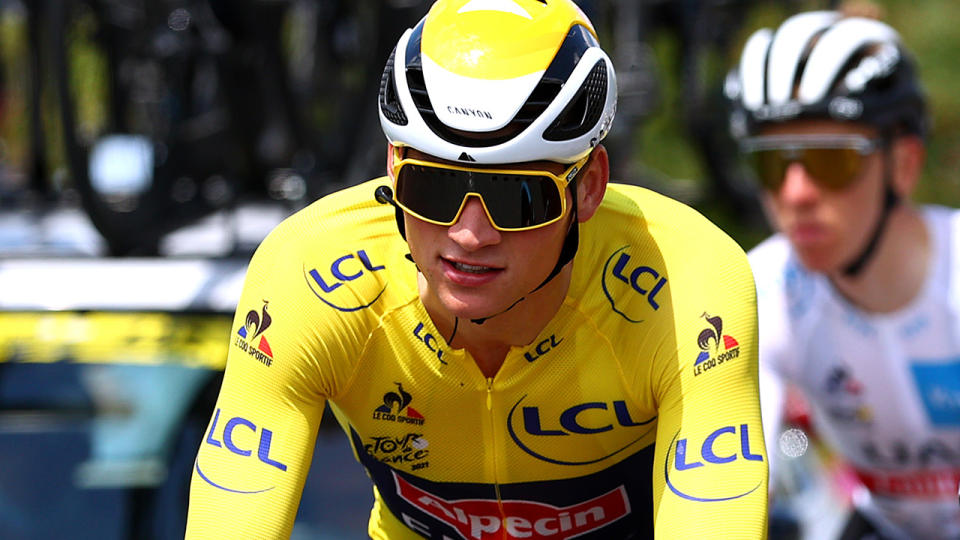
[{"x": 499, "y": 81}]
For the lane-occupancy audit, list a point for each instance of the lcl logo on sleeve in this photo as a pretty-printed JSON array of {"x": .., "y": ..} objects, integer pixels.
[
  {"x": 729, "y": 448},
  {"x": 242, "y": 438}
]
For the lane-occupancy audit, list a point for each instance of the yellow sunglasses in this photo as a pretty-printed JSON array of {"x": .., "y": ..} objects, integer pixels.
[{"x": 513, "y": 199}]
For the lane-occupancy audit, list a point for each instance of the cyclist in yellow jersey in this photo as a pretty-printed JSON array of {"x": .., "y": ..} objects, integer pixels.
[{"x": 536, "y": 354}]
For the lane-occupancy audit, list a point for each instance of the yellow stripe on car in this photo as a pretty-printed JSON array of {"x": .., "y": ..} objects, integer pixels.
[{"x": 142, "y": 338}]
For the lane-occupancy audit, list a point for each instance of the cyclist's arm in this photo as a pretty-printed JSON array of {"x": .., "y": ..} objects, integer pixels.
[
  {"x": 253, "y": 460},
  {"x": 710, "y": 471}
]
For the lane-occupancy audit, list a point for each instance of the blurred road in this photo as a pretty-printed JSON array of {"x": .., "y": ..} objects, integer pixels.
[{"x": 46, "y": 422}]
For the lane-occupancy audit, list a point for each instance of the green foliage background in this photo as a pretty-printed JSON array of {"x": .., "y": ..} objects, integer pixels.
[{"x": 662, "y": 150}]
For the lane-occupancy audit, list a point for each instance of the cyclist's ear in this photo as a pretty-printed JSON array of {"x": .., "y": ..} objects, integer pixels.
[
  {"x": 592, "y": 183},
  {"x": 390, "y": 160},
  {"x": 909, "y": 155}
]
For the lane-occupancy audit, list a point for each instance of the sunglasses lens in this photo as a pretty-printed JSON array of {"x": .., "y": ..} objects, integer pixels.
[
  {"x": 430, "y": 192},
  {"x": 770, "y": 167},
  {"x": 519, "y": 201},
  {"x": 832, "y": 168},
  {"x": 514, "y": 201}
]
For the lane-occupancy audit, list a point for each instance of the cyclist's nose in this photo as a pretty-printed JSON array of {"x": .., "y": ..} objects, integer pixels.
[
  {"x": 473, "y": 230},
  {"x": 798, "y": 186}
]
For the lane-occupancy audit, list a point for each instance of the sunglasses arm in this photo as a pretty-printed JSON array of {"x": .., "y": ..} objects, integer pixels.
[{"x": 384, "y": 195}]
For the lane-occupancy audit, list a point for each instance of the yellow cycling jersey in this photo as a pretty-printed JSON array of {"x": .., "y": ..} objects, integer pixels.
[{"x": 634, "y": 413}]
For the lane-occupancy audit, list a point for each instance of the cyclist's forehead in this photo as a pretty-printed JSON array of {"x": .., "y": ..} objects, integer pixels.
[
  {"x": 550, "y": 166},
  {"x": 818, "y": 127}
]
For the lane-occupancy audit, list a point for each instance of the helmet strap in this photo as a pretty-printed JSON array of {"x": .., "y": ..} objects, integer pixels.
[
  {"x": 400, "y": 224},
  {"x": 570, "y": 244},
  {"x": 890, "y": 200}
]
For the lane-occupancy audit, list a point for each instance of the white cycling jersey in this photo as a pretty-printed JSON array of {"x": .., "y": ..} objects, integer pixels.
[{"x": 883, "y": 389}]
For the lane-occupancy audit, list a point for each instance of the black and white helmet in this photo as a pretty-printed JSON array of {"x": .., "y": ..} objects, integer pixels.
[{"x": 822, "y": 64}]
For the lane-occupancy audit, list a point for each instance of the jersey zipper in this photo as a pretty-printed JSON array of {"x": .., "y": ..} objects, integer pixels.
[{"x": 493, "y": 453}]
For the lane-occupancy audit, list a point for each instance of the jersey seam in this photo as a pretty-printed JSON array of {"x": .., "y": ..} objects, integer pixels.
[
  {"x": 378, "y": 327},
  {"x": 575, "y": 305}
]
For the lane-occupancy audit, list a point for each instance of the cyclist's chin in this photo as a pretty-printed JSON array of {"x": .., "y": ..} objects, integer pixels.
[
  {"x": 819, "y": 259},
  {"x": 475, "y": 304}
]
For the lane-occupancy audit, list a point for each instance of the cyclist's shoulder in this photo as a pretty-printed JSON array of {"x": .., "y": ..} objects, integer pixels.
[
  {"x": 944, "y": 217},
  {"x": 656, "y": 260},
  {"x": 788, "y": 294},
  {"x": 771, "y": 254},
  {"x": 659, "y": 224},
  {"x": 348, "y": 206},
  {"x": 634, "y": 199},
  {"x": 670, "y": 215},
  {"x": 340, "y": 219},
  {"x": 344, "y": 247},
  {"x": 774, "y": 263},
  {"x": 335, "y": 267}
]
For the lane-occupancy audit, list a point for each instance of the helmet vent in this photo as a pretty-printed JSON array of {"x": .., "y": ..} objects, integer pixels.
[
  {"x": 389, "y": 101},
  {"x": 584, "y": 110},
  {"x": 418, "y": 91},
  {"x": 544, "y": 94}
]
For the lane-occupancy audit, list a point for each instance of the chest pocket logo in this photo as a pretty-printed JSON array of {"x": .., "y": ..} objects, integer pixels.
[
  {"x": 327, "y": 285},
  {"x": 538, "y": 433},
  {"x": 623, "y": 278}
]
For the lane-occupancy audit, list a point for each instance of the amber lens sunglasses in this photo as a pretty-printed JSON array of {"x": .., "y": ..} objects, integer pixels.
[{"x": 833, "y": 161}]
